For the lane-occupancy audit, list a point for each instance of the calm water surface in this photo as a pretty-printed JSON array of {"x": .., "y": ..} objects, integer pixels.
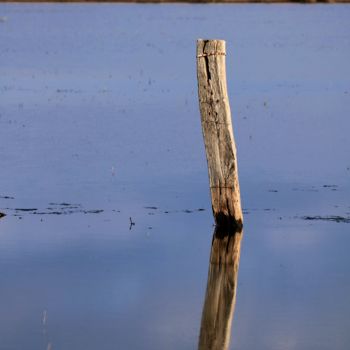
[{"x": 108, "y": 227}]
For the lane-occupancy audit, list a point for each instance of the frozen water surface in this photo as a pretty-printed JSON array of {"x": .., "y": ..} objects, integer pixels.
[{"x": 99, "y": 123}]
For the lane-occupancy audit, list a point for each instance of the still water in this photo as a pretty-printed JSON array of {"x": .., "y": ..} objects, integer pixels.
[{"x": 106, "y": 241}]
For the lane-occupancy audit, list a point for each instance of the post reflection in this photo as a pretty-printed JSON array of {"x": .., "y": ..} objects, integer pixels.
[{"x": 220, "y": 296}]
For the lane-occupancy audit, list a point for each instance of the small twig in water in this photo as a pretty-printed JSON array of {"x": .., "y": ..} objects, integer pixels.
[{"x": 131, "y": 223}]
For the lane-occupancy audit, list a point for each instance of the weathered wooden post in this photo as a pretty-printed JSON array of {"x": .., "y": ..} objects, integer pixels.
[{"x": 217, "y": 133}]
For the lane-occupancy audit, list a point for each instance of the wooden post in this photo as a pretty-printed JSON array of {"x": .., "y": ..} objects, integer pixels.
[
  {"x": 218, "y": 133},
  {"x": 220, "y": 296}
]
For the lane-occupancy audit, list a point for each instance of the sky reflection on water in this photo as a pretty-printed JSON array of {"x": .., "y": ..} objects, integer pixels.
[{"x": 99, "y": 109}]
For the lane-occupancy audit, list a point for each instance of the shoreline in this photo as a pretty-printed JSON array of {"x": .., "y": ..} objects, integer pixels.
[{"x": 184, "y": 1}]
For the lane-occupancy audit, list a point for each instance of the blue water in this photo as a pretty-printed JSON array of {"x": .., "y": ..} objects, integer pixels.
[{"x": 99, "y": 110}]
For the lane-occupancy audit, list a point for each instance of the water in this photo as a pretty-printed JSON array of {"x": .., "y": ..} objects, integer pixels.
[{"x": 99, "y": 123}]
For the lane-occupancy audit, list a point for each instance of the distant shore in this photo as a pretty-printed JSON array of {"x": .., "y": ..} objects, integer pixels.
[{"x": 182, "y": 1}]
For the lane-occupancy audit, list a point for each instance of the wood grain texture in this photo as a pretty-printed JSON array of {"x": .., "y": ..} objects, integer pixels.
[
  {"x": 218, "y": 132},
  {"x": 221, "y": 291}
]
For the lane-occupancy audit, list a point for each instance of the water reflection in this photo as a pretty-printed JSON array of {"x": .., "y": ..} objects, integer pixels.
[{"x": 220, "y": 296}]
